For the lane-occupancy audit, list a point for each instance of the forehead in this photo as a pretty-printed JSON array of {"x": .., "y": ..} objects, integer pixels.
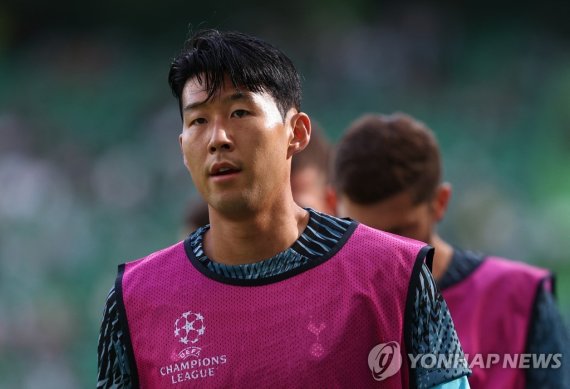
[{"x": 195, "y": 92}]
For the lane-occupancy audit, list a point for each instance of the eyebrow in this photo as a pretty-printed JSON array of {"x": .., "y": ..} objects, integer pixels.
[{"x": 246, "y": 96}]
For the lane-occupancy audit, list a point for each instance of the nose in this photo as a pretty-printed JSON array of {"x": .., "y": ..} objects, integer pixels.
[{"x": 220, "y": 140}]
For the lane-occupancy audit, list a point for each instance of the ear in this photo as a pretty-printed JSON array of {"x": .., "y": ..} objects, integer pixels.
[
  {"x": 182, "y": 149},
  {"x": 301, "y": 133},
  {"x": 441, "y": 200}
]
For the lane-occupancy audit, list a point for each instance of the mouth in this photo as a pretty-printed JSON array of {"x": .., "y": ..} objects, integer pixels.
[
  {"x": 223, "y": 169},
  {"x": 224, "y": 172}
]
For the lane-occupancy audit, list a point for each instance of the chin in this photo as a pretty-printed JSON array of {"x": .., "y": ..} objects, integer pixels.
[{"x": 235, "y": 207}]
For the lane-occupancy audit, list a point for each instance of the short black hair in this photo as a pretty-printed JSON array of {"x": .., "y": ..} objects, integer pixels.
[{"x": 249, "y": 62}]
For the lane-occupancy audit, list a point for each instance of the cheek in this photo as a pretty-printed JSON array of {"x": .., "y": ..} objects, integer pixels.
[
  {"x": 266, "y": 148},
  {"x": 190, "y": 152}
]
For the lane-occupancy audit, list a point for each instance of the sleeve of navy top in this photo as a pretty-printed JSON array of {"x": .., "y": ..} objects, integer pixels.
[
  {"x": 432, "y": 332},
  {"x": 112, "y": 358}
]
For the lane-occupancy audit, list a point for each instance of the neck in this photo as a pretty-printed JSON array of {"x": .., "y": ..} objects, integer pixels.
[
  {"x": 442, "y": 257},
  {"x": 256, "y": 237}
]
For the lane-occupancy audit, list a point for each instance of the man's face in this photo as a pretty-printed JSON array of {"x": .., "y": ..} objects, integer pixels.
[
  {"x": 397, "y": 214},
  {"x": 235, "y": 146}
]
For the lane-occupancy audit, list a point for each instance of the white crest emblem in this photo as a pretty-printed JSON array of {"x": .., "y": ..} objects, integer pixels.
[{"x": 189, "y": 327}]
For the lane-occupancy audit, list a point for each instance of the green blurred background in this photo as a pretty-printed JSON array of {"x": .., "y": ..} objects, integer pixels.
[{"x": 91, "y": 176}]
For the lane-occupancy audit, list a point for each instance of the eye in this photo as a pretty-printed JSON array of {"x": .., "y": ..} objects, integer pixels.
[
  {"x": 239, "y": 113},
  {"x": 198, "y": 121}
]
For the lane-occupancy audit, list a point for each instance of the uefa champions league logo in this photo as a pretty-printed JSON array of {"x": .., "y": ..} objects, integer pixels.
[
  {"x": 188, "y": 329},
  {"x": 384, "y": 360},
  {"x": 190, "y": 364}
]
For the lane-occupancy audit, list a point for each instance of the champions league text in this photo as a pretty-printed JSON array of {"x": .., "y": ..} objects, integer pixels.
[{"x": 192, "y": 370}]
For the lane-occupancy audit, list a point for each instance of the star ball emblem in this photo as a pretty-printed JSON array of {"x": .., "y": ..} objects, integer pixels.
[{"x": 189, "y": 327}]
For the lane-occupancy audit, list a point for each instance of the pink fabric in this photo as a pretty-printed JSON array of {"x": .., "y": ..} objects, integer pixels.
[
  {"x": 315, "y": 329},
  {"x": 491, "y": 310}
]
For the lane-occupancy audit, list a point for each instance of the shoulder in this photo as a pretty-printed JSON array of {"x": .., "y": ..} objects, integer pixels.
[
  {"x": 373, "y": 237},
  {"x": 502, "y": 268},
  {"x": 331, "y": 225},
  {"x": 394, "y": 248},
  {"x": 392, "y": 255},
  {"x": 156, "y": 258}
]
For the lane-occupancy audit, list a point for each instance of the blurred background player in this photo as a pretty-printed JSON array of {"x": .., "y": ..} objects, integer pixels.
[
  {"x": 195, "y": 215},
  {"x": 310, "y": 169},
  {"x": 387, "y": 174}
]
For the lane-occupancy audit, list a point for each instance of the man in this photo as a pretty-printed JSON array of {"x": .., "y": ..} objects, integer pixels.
[
  {"x": 387, "y": 174},
  {"x": 268, "y": 294}
]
